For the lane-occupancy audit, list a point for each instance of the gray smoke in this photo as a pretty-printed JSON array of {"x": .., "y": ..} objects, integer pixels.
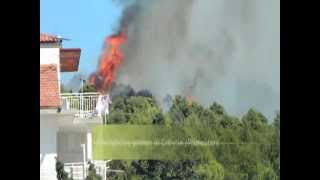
[
  {"x": 231, "y": 48},
  {"x": 74, "y": 84}
]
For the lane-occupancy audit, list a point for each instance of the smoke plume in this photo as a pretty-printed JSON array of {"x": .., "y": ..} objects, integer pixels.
[{"x": 226, "y": 51}]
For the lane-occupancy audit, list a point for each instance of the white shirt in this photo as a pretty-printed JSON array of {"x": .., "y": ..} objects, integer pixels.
[{"x": 103, "y": 104}]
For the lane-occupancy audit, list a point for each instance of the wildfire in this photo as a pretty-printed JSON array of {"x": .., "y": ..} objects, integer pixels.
[{"x": 109, "y": 62}]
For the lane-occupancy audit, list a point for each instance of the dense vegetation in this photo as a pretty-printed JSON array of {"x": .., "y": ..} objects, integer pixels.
[
  {"x": 61, "y": 173},
  {"x": 253, "y": 154},
  {"x": 92, "y": 173}
]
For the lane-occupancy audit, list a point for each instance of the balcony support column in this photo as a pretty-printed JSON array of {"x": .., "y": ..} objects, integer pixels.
[{"x": 89, "y": 145}]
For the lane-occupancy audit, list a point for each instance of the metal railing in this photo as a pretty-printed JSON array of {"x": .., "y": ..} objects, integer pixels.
[
  {"x": 76, "y": 170},
  {"x": 82, "y": 104}
]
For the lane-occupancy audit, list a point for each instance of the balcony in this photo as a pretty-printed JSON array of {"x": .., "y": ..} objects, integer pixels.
[
  {"x": 83, "y": 106},
  {"x": 79, "y": 170}
]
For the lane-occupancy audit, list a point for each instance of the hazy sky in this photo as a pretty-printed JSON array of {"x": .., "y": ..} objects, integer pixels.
[{"x": 85, "y": 22}]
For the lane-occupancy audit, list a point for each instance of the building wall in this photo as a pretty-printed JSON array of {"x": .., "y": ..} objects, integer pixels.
[
  {"x": 50, "y": 55},
  {"x": 49, "y": 86},
  {"x": 48, "y": 146},
  {"x": 54, "y": 142},
  {"x": 50, "y": 45},
  {"x": 69, "y": 145}
]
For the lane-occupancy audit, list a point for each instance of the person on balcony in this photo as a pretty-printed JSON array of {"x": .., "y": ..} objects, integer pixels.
[{"x": 102, "y": 107}]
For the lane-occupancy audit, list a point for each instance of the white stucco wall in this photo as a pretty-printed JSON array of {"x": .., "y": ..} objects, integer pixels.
[
  {"x": 49, "y": 55},
  {"x": 48, "y": 146}
]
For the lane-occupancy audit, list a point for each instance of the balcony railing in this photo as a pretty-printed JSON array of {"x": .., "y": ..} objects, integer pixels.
[
  {"x": 81, "y": 104},
  {"x": 79, "y": 170},
  {"x": 75, "y": 170}
]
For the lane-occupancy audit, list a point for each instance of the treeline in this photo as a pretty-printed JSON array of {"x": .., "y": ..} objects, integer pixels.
[
  {"x": 254, "y": 151},
  {"x": 253, "y": 154}
]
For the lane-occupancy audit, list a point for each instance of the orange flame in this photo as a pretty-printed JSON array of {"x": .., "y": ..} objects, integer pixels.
[{"x": 109, "y": 62}]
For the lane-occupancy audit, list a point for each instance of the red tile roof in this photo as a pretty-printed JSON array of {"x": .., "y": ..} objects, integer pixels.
[
  {"x": 46, "y": 38},
  {"x": 49, "y": 86}
]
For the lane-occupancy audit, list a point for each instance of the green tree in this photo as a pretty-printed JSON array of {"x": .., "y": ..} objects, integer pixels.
[
  {"x": 217, "y": 108},
  {"x": 142, "y": 110},
  {"x": 254, "y": 119},
  {"x": 276, "y": 122},
  {"x": 87, "y": 88},
  {"x": 135, "y": 110},
  {"x": 61, "y": 173},
  {"x": 274, "y": 151},
  {"x": 211, "y": 170},
  {"x": 144, "y": 93},
  {"x": 179, "y": 110},
  {"x": 92, "y": 175},
  {"x": 63, "y": 89},
  {"x": 253, "y": 151},
  {"x": 125, "y": 166}
]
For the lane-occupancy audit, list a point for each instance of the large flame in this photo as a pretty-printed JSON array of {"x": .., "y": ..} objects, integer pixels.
[{"x": 109, "y": 62}]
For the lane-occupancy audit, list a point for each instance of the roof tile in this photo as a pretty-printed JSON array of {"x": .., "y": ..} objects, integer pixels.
[
  {"x": 49, "y": 86},
  {"x": 46, "y": 38}
]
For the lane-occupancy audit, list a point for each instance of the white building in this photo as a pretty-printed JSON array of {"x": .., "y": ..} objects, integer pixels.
[{"x": 65, "y": 119}]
